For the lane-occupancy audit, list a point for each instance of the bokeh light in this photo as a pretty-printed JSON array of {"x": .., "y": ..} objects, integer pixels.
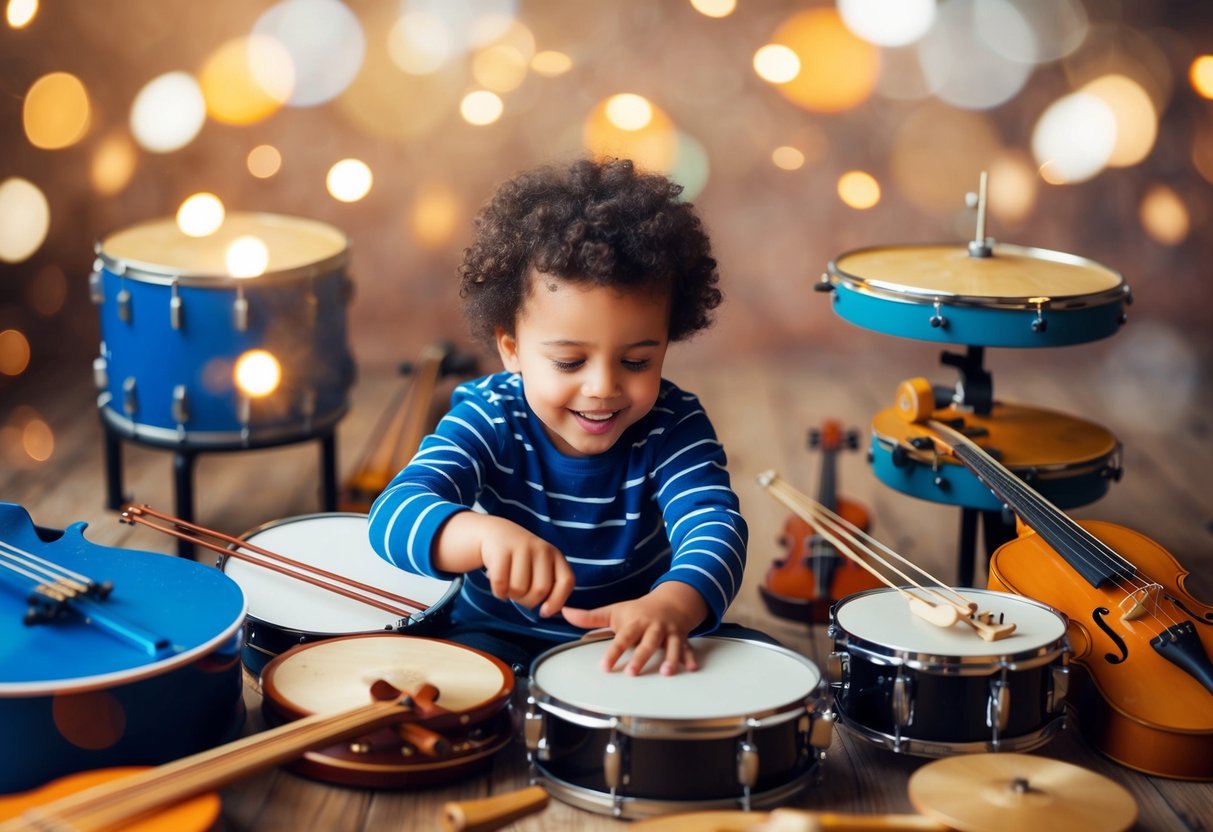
[
  {"x": 168, "y": 112},
  {"x": 632, "y": 127},
  {"x": 14, "y": 352},
  {"x": 776, "y": 63},
  {"x": 20, "y": 13},
  {"x": 888, "y": 22},
  {"x": 1058, "y": 28},
  {"x": 436, "y": 215},
  {"x": 113, "y": 163},
  {"x": 200, "y": 215},
  {"x": 264, "y": 161},
  {"x": 964, "y": 56},
  {"x": 481, "y": 107},
  {"x": 1136, "y": 121},
  {"x": 25, "y": 219},
  {"x": 246, "y": 256},
  {"x": 550, "y": 63},
  {"x": 691, "y": 168},
  {"x": 858, "y": 189},
  {"x": 1164, "y": 216},
  {"x": 1012, "y": 186},
  {"x": 714, "y": 8},
  {"x": 1074, "y": 138},
  {"x": 38, "y": 440},
  {"x": 56, "y": 111},
  {"x": 786, "y": 157},
  {"x": 823, "y": 44},
  {"x": 419, "y": 43},
  {"x": 938, "y": 154},
  {"x": 349, "y": 180},
  {"x": 325, "y": 43},
  {"x": 232, "y": 91},
  {"x": 1202, "y": 148},
  {"x": 1200, "y": 74},
  {"x": 257, "y": 373}
]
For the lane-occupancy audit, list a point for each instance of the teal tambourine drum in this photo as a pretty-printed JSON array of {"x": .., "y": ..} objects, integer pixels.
[
  {"x": 136, "y": 663},
  {"x": 235, "y": 337},
  {"x": 1013, "y": 296}
]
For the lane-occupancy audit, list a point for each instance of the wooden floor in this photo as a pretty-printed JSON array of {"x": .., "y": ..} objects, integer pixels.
[{"x": 762, "y": 411}]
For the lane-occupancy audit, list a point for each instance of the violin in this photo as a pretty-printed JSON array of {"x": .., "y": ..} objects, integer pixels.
[
  {"x": 109, "y": 657},
  {"x": 812, "y": 575},
  {"x": 1141, "y": 642},
  {"x": 402, "y": 426},
  {"x": 180, "y": 793}
]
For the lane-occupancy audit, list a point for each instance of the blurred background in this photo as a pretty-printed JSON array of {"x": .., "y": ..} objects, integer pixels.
[{"x": 800, "y": 130}]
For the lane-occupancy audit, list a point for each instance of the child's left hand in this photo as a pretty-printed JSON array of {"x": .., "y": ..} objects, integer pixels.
[{"x": 660, "y": 620}]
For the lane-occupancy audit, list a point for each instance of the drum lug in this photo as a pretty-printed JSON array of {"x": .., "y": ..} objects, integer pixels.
[
  {"x": 822, "y": 732},
  {"x": 747, "y": 764},
  {"x": 534, "y": 733},
  {"x": 130, "y": 402},
  {"x": 96, "y": 292},
  {"x": 1039, "y": 324},
  {"x": 902, "y": 701},
  {"x": 240, "y": 311},
  {"x": 836, "y": 667},
  {"x": 174, "y": 308},
  {"x": 181, "y": 406},
  {"x": 101, "y": 372},
  {"x": 124, "y": 305},
  {"x": 612, "y": 762},
  {"x": 998, "y": 708},
  {"x": 825, "y": 284},
  {"x": 1059, "y": 688},
  {"x": 937, "y": 320}
]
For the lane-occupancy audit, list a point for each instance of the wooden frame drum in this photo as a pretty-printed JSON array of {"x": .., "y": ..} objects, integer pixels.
[
  {"x": 915, "y": 688},
  {"x": 747, "y": 728}
]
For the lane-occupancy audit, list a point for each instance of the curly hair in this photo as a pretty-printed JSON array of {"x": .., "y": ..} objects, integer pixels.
[{"x": 601, "y": 223}]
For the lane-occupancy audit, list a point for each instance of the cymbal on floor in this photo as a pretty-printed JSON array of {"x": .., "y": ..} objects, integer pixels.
[{"x": 1003, "y": 792}]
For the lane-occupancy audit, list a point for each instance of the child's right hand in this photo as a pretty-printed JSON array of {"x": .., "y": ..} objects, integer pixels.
[{"x": 521, "y": 567}]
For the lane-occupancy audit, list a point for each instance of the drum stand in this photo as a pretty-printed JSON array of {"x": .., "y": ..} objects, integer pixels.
[
  {"x": 185, "y": 455},
  {"x": 974, "y": 390}
]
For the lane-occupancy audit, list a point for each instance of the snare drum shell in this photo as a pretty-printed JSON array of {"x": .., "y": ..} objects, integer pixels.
[
  {"x": 950, "y": 695},
  {"x": 153, "y": 356}
]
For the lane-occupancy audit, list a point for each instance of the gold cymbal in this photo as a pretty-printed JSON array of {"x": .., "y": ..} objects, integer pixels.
[{"x": 1005, "y": 792}]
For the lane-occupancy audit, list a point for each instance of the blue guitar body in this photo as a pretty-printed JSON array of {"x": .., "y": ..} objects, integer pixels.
[{"x": 144, "y": 673}]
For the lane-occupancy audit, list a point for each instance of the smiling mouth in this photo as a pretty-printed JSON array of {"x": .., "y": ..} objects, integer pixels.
[{"x": 597, "y": 417}]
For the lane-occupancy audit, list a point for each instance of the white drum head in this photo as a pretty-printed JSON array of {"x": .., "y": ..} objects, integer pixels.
[
  {"x": 336, "y": 543},
  {"x": 337, "y": 674},
  {"x": 735, "y": 678},
  {"x": 883, "y": 617}
]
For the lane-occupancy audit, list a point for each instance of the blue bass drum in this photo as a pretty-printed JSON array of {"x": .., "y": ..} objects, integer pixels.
[
  {"x": 138, "y": 667},
  {"x": 1015, "y": 297},
  {"x": 263, "y": 298}
]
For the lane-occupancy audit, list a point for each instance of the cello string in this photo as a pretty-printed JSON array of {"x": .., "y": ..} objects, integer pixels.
[
  {"x": 1084, "y": 545},
  {"x": 134, "y": 514}
]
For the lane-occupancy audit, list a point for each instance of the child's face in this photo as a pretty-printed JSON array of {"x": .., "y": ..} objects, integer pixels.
[{"x": 590, "y": 359}]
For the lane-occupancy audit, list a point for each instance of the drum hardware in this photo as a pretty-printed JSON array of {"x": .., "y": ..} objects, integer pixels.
[
  {"x": 174, "y": 314},
  {"x": 634, "y": 746}
]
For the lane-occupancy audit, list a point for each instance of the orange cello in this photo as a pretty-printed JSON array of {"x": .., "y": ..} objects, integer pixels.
[
  {"x": 1141, "y": 641},
  {"x": 812, "y": 575}
]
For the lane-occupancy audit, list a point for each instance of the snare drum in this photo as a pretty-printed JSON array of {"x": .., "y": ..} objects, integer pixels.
[
  {"x": 916, "y": 688},
  {"x": 747, "y": 728},
  {"x": 285, "y": 611},
  {"x": 175, "y": 323},
  {"x": 1070, "y": 461},
  {"x": 1016, "y": 297},
  {"x": 474, "y": 692}
]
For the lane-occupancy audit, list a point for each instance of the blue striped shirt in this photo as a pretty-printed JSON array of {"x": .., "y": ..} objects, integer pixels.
[{"x": 656, "y": 507}]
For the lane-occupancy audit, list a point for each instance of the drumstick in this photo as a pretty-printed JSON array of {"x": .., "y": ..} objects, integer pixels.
[
  {"x": 833, "y": 527},
  {"x": 796, "y": 820},
  {"x": 490, "y": 813},
  {"x": 134, "y": 514}
]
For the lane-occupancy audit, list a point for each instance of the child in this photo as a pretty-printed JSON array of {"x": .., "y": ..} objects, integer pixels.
[{"x": 578, "y": 489}]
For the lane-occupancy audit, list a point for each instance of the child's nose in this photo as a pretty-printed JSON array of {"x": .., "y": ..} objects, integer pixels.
[{"x": 600, "y": 382}]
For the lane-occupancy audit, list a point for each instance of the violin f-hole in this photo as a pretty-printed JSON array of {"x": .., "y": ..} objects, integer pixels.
[{"x": 1097, "y": 615}]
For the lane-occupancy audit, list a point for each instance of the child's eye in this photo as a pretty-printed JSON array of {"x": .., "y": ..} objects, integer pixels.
[
  {"x": 637, "y": 365},
  {"x": 566, "y": 366}
]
